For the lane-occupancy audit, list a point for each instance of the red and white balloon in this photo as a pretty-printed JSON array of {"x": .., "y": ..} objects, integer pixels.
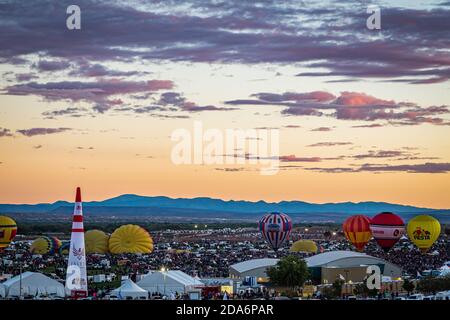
[{"x": 387, "y": 228}]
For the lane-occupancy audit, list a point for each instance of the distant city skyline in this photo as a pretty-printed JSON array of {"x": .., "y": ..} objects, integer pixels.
[{"x": 363, "y": 115}]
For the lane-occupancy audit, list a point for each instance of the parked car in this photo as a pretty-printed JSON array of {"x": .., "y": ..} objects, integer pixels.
[
  {"x": 443, "y": 295},
  {"x": 417, "y": 296}
]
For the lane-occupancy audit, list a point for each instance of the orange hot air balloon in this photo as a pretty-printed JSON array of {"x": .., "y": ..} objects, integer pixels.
[{"x": 357, "y": 230}]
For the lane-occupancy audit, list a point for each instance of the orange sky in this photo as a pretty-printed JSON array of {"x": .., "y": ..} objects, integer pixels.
[{"x": 104, "y": 122}]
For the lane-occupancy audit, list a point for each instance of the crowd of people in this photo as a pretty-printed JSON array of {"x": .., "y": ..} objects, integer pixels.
[{"x": 210, "y": 254}]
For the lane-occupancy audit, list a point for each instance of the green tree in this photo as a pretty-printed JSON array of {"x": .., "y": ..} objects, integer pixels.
[
  {"x": 433, "y": 285},
  {"x": 328, "y": 292},
  {"x": 337, "y": 287},
  {"x": 290, "y": 271},
  {"x": 408, "y": 286}
]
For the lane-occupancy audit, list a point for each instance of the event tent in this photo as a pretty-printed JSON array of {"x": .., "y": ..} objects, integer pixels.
[
  {"x": 169, "y": 282},
  {"x": 34, "y": 284},
  {"x": 129, "y": 289},
  {"x": 445, "y": 270}
]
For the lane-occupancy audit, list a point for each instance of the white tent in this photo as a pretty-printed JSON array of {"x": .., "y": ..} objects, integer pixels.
[
  {"x": 168, "y": 282},
  {"x": 34, "y": 284},
  {"x": 129, "y": 289},
  {"x": 445, "y": 271}
]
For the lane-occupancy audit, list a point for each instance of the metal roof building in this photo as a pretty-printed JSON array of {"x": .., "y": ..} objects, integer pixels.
[
  {"x": 324, "y": 267},
  {"x": 252, "y": 268}
]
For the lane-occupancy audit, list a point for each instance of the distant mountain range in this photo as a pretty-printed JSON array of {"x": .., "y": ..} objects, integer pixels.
[{"x": 135, "y": 205}]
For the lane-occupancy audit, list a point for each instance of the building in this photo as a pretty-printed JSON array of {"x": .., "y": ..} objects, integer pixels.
[
  {"x": 170, "y": 282},
  {"x": 349, "y": 266},
  {"x": 223, "y": 284},
  {"x": 324, "y": 267},
  {"x": 34, "y": 284},
  {"x": 130, "y": 290},
  {"x": 252, "y": 268}
]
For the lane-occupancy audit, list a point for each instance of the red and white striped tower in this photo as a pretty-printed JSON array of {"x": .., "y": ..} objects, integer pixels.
[{"x": 76, "y": 279}]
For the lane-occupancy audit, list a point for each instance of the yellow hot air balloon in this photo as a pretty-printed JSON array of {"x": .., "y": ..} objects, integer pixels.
[
  {"x": 45, "y": 245},
  {"x": 423, "y": 230},
  {"x": 130, "y": 239},
  {"x": 308, "y": 246},
  {"x": 8, "y": 230},
  {"x": 96, "y": 241}
]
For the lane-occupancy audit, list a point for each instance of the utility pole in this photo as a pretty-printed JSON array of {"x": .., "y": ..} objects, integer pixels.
[{"x": 20, "y": 281}]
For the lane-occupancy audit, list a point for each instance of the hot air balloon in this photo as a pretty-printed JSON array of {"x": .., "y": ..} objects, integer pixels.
[
  {"x": 308, "y": 246},
  {"x": 423, "y": 231},
  {"x": 387, "y": 228},
  {"x": 130, "y": 239},
  {"x": 56, "y": 243},
  {"x": 96, "y": 241},
  {"x": 275, "y": 228},
  {"x": 65, "y": 247},
  {"x": 357, "y": 230},
  {"x": 45, "y": 245},
  {"x": 8, "y": 230}
]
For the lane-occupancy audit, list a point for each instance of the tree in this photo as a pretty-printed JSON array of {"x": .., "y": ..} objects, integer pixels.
[
  {"x": 337, "y": 287},
  {"x": 332, "y": 291},
  {"x": 433, "y": 285},
  {"x": 290, "y": 271},
  {"x": 408, "y": 286},
  {"x": 362, "y": 290}
]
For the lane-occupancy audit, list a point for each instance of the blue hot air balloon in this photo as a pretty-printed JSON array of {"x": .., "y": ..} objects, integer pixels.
[{"x": 275, "y": 228}]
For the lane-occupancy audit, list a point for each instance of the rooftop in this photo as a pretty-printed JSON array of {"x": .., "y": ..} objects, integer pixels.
[{"x": 253, "y": 264}]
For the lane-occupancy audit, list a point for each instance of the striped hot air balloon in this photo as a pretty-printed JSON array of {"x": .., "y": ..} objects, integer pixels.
[
  {"x": 275, "y": 228},
  {"x": 357, "y": 230},
  {"x": 45, "y": 245},
  {"x": 387, "y": 228}
]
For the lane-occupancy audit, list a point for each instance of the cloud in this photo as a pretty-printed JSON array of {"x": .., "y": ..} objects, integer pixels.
[
  {"x": 85, "y": 69},
  {"x": 412, "y": 168},
  {"x": 25, "y": 76},
  {"x": 51, "y": 65},
  {"x": 373, "y": 125},
  {"x": 41, "y": 131},
  {"x": 97, "y": 93},
  {"x": 321, "y": 129},
  {"x": 230, "y": 169},
  {"x": 329, "y": 38},
  {"x": 355, "y": 106},
  {"x": 70, "y": 111},
  {"x": 330, "y": 144},
  {"x": 381, "y": 154},
  {"x": 5, "y": 132},
  {"x": 293, "y": 158},
  {"x": 428, "y": 167},
  {"x": 176, "y": 100}
]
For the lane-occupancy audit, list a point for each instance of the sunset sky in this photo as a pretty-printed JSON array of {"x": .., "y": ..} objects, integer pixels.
[{"x": 364, "y": 115}]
